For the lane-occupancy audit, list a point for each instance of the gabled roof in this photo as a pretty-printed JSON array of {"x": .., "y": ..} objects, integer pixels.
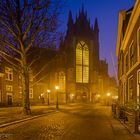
[
  {"x": 120, "y": 25},
  {"x": 130, "y": 26}
]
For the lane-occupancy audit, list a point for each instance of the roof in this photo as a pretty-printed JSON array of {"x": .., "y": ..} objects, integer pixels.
[{"x": 130, "y": 26}]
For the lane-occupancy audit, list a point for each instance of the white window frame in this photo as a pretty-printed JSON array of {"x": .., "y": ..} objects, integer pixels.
[
  {"x": 9, "y": 88},
  {"x": 127, "y": 63},
  {"x": 8, "y": 72},
  {"x": 84, "y": 47},
  {"x": 31, "y": 93},
  {"x": 132, "y": 43},
  {"x": 129, "y": 88},
  {"x": 20, "y": 91},
  {"x": 124, "y": 93}
]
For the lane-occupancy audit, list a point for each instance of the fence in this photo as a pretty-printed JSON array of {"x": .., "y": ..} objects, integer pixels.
[{"x": 127, "y": 116}]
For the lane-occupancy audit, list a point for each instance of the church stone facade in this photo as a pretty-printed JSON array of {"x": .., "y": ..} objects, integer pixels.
[{"x": 84, "y": 79}]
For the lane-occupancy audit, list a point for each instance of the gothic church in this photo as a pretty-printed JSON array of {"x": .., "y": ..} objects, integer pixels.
[{"x": 85, "y": 72}]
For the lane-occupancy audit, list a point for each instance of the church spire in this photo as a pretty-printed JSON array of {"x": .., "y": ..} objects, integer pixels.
[
  {"x": 70, "y": 20},
  {"x": 70, "y": 24},
  {"x": 96, "y": 27}
]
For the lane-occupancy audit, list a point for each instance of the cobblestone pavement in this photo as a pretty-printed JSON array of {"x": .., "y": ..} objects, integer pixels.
[{"x": 83, "y": 122}]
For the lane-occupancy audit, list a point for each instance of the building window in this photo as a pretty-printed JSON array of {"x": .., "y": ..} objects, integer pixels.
[
  {"x": 62, "y": 81},
  {"x": 125, "y": 96},
  {"x": 82, "y": 63},
  {"x": 31, "y": 93},
  {"x": 132, "y": 55},
  {"x": 138, "y": 42},
  {"x": 9, "y": 73},
  {"x": 9, "y": 88},
  {"x": 130, "y": 87},
  {"x": 138, "y": 81},
  {"x": 122, "y": 63},
  {"x": 20, "y": 91},
  {"x": 126, "y": 63}
]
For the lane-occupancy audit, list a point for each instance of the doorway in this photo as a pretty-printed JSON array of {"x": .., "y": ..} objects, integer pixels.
[{"x": 9, "y": 99}]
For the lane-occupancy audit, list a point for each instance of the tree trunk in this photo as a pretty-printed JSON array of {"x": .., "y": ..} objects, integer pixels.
[{"x": 25, "y": 89}]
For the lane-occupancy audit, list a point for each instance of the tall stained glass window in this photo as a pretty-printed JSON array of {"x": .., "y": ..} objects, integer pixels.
[{"x": 82, "y": 63}]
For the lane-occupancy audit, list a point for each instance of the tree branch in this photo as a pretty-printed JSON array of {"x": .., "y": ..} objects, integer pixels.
[
  {"x": 40, "y": 71},
  {"x": 10, "y": 30},
  {"x": 38, "y": 80},
  {"x": 29, "y": 26},
  {"x": 10, "y": 56},
  {"x": 32, "y": 62},
  {"x": 8, "y": 44},
  {"x": 13, "y": 64}
]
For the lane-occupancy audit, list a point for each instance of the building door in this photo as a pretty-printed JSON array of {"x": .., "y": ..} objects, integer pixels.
[
  {"x": 9, "y": 99},
  {"x": 84, "y": 97}
]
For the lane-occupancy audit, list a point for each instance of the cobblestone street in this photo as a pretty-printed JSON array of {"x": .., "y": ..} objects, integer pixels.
[{"x": 80, "y": 122}]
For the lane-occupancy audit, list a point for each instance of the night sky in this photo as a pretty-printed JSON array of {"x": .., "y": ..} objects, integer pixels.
[{"x": 107, "y": 13}]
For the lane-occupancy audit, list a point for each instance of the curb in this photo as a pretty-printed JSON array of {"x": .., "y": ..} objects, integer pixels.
[{"x": 26, "y": 119}]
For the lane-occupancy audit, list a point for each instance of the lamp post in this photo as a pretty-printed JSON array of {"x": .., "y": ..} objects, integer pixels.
[
  {"x": 57, "y": 88},
  {"x": 108, "y": 98},
  {"x": 48, "y": 91}
]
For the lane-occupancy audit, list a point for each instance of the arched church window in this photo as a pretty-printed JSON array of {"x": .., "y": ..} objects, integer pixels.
[{"x": 82, "y": 62}]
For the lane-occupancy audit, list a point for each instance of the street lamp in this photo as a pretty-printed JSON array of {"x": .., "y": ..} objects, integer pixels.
[
  {"x": 98, "y": 95},
  {"x": 108, "y": 94},
  {"x": 57, "y": 88},
  {"x": 48, "y": 91},
  {"x": 108, "y": 98}
]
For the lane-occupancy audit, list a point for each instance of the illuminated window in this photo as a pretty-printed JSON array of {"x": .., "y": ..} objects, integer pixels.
[
  {"x": 31, "y": 93},
  {"x": 138, "y": 41},
  {"x": 9, "y": 88},
  {"x": 131, "y": 55},
  {"x": 126, "y": 63},
  {"x": 82, "y": 63},
  {"x": 130, "y": 87},
  {"x": 9, "y": 73},
  {"x": 20, "y": 91},
  {"x": 62, "y": 81},
  {"x": 138, "y": 77}
]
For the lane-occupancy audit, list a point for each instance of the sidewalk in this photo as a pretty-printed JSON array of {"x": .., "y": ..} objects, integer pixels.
[
  {"x": 119, "y": 125},
  {"x": 11, "y": 114},
  {"x": 14, "y": 114}
]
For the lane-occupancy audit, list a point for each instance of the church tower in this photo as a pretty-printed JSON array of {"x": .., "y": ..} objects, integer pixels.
[{"x": 81, "y": 46}]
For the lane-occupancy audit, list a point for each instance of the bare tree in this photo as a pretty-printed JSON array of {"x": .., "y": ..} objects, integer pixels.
[{"x": 25, "y": 24}]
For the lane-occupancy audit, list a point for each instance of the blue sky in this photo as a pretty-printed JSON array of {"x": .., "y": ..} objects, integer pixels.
[{"x": 107, "y": 13}]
